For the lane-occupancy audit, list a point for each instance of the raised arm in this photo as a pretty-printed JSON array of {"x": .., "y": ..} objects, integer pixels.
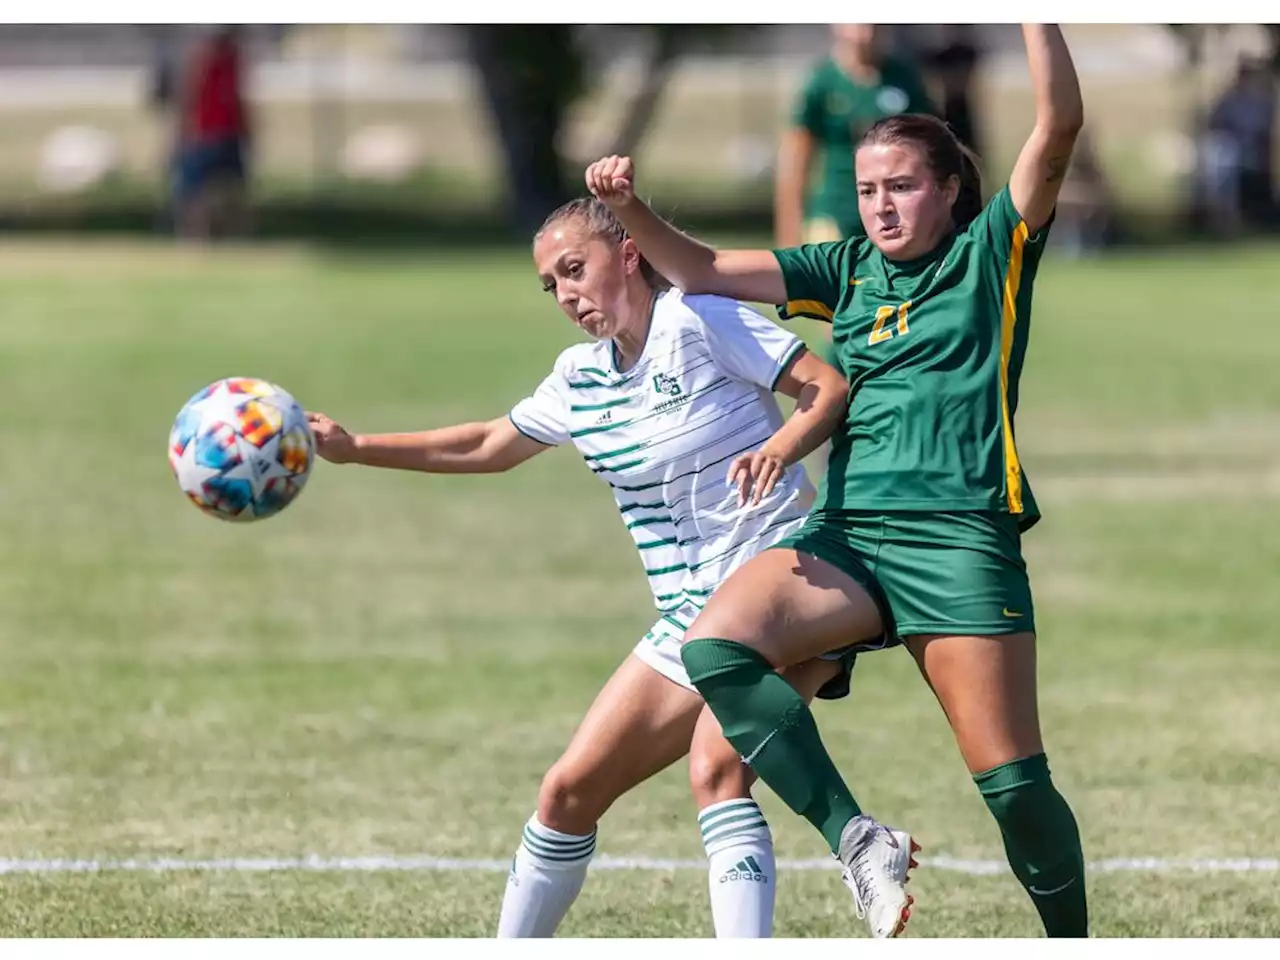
[
  {"x": 691, "y": 265},
  {"x": 1037, "y": 176},
  {"x": 483, "y": 447}
]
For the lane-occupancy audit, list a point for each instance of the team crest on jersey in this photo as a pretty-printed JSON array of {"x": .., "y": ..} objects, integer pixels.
[{"x": 666, "y": 385}]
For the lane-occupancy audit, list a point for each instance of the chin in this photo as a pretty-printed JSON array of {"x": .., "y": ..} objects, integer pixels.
[{"x": 894, "y": 248}]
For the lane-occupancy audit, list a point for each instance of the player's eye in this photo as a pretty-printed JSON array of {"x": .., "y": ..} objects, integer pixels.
[
  {"x": 574, "y": 270},
  {"x": 548, "y": 286}
]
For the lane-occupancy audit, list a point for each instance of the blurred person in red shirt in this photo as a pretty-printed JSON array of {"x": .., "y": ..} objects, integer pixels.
[{"x": 213, "y": 139}]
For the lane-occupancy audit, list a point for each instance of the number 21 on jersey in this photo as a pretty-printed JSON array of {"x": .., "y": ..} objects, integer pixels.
[{"x": 879, "y": 334}]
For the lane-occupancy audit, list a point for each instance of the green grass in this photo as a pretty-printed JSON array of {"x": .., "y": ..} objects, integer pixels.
[{"x": 389, "y": 666}]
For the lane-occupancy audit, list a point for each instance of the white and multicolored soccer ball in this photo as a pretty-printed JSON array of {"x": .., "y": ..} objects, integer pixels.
[{"x": 241, "y": 449}]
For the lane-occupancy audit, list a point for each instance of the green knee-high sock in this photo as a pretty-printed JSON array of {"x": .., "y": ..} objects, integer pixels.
[
  {"x": 1042, "y": 841},
  {"x": 770, "y": 725}
]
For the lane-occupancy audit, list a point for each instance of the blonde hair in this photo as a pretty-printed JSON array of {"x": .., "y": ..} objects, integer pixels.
[{"x": 601, "y": 222}]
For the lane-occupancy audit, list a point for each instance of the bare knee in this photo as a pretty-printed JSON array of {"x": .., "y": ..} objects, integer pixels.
[
  {"x": 570, "y": 800},
  {"x": 717, "y": 773}
]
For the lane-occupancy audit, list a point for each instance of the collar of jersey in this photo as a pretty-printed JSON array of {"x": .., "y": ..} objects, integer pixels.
[
  {"x": 644, "y": 350},
  {"x": 913, "y": 267}
]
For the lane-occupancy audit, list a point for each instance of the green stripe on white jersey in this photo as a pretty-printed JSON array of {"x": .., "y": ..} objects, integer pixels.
[{"x": 664, "y": 433}]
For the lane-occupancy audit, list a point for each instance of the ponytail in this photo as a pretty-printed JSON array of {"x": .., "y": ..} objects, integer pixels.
[{"x": 969, "y": 200}]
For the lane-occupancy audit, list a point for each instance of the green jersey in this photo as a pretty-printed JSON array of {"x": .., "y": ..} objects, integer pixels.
[
  {"x": 933, "y": 351},
  {"x": 837, "y": 110}
]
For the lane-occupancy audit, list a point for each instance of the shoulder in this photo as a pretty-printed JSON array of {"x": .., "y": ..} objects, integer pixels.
[
  {"x": 704, "y": 314},
  {"x": 722, "y": 319},
  {"x": 698, "y": 309},
  {"x": 577, "y": 357},
  {"x": 846, "y": 252},
  {"x": 1000, "y": 225}
]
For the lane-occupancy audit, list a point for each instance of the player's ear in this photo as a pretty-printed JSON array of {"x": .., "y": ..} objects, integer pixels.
[
  {"x": 630, "y": 254},
  {"x": 951, "y": 189}
]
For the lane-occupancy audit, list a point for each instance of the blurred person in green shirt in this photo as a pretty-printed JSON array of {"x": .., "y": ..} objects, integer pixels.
[{"x": 851, "y": 88}]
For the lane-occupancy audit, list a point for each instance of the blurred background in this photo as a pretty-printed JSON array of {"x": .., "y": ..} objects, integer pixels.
[
  {"x": 402, "y": 130},
  {"x": 192, "y": 711}
]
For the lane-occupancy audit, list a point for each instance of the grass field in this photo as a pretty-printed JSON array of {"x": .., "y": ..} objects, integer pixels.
[{"x": 388, "y": 667}]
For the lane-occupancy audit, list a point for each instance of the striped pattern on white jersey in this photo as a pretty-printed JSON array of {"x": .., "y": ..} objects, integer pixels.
[{"x": 663, "y": 434}]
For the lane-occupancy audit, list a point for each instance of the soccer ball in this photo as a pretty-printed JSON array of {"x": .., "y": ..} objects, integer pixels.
[{"x": 241, "y": 449}]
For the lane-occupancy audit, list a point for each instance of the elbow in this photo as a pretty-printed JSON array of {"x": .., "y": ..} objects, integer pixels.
[
  {"x": 1065, "y": 120},
  {"x": 833, "y": 394},
  {"x": 1069, "y": 125}
]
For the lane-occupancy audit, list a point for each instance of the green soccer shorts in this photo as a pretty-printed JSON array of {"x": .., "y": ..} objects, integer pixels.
[{"x": 954, "y": 573}]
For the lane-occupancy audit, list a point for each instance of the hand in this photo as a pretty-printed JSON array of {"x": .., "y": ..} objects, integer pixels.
[
  {"x": 755, "y": 475},
  {"x": 333, "y": 443},
  {"x": 612, "y": 180}
]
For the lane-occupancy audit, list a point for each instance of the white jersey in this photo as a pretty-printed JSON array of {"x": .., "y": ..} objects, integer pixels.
[{"x": 663, "y": 434}]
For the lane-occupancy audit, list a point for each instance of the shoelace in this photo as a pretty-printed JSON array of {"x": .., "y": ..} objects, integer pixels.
[{"x": 858, "y": 880}]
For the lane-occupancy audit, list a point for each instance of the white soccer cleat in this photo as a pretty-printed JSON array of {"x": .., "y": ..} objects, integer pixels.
[{"x": 876, "y": 862}]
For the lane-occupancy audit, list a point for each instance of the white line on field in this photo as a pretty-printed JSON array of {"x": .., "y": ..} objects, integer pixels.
[{"x": 385, "y": 864}]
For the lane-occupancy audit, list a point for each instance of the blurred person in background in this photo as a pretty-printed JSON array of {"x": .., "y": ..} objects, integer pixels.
[
  {"x": 213, "y": 139},
  {"x": 1235, "y": 179},
  {"x": 1085, "y": 211},
  {"x": 852, "y": 87},
  {"x": 952, "y": 68}
]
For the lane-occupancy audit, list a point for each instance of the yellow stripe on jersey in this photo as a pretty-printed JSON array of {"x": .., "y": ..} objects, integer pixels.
[
  {"x": 814, "y": 309},
  {"x": 1008, "y": 319}
]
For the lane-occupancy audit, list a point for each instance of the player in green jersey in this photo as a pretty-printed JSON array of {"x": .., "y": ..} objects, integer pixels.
[{"x": 917, "y": 529}]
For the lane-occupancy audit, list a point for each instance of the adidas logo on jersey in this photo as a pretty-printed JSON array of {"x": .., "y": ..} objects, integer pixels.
[
  {"x": 745, "y": 869},
  {"x": 606, "y": 417}
]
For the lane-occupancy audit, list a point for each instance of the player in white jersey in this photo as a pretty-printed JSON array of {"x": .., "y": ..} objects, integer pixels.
[{"x": 672, "y": 405}]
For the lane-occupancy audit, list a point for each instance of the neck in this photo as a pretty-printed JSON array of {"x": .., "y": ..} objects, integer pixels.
[{"x": 629, "y": 343}]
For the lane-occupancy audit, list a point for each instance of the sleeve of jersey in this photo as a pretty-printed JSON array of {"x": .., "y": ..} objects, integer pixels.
[
  {"x": 814, "y": 278},
  {"x": 544, "y": 415},
  {"x": 746, "y": 345},
  {"x": 1000, "y": 227}
]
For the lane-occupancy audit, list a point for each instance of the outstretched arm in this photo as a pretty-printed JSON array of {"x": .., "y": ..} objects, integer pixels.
[
  {"x": 1037, "y": 176},
  {"x": 691, "y": 265},
  {"x": 483, "y": 447}
]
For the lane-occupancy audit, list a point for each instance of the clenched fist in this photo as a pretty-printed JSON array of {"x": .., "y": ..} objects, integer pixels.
[{"x": 612, "y": 180}]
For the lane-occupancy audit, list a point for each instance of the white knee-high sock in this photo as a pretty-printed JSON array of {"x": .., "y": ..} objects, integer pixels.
[
  {"x": 546, "y": 876},
  {"x": 742, "y": 868}
]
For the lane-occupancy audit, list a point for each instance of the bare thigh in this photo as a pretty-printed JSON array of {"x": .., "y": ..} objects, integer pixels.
[
  {"x": 789, "y": 607},
  {"x": 987, "y": 689},
  {"x": 639, "y": 724}
]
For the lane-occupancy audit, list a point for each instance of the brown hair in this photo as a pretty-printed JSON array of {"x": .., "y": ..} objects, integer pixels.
[
  {"x": 943, "y": 152},
  {"x": 600, "y": 222}
]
